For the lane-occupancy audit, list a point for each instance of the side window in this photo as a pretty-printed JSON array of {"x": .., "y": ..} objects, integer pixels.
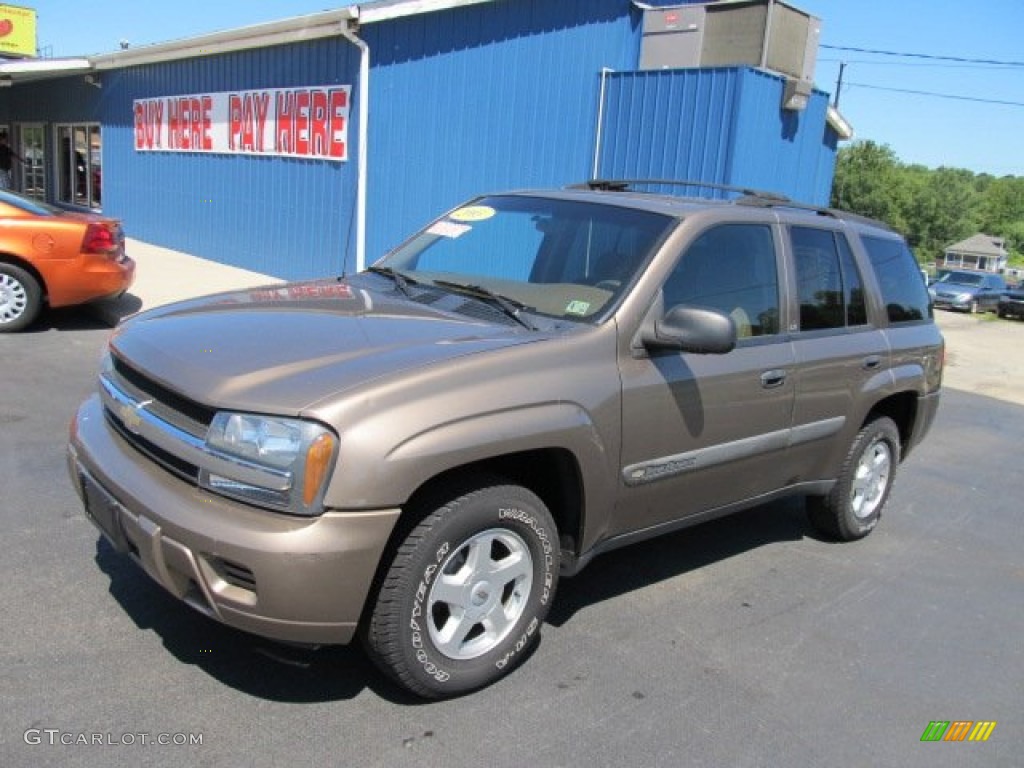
[
  {"x": 853, "y": 286},
  {"x": 731, "y": 268},
  {"x": 829, "y": 287},
  {"x": 903, "y": 291}
]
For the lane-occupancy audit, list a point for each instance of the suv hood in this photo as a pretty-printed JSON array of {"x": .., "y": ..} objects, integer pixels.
[{"x": 281, "y": 348}]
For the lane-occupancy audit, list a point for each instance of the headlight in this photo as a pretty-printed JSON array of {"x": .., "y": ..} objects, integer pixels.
[
  {"x": 274, "y": 462},
  {"x": 964, "y": 297}
]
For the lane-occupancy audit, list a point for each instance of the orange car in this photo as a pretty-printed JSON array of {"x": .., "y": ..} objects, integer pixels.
[{"x": 56, "y": 257}]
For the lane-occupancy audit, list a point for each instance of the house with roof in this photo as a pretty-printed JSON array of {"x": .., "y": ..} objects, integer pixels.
[
  {"x": 981, "y": 252},
  {"x": 313, "y": 144}
]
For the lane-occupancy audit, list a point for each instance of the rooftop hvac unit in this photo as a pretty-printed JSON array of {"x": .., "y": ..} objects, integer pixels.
[{"x": 769, "y": 34}]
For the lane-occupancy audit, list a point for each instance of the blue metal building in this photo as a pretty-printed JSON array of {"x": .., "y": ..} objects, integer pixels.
[{"x": 443, "y": 99}]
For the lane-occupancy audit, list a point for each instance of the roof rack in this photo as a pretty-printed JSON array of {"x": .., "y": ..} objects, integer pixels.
[
  {"x": 622, "y": 185},
  {"x": 752, "y": 197}
]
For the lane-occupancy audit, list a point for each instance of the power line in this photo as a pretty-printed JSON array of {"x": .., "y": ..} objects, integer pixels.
[
  {"x": 877, "y": 63},
  {"x": 961, "y": 59},
  {"x": 937, "y": 95}
]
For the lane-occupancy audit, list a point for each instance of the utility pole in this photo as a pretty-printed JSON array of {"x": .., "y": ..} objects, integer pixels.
[{"x": 839, "y": 85}]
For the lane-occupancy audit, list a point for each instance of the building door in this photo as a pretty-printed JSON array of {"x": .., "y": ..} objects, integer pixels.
[
  {"x": 32, "y": 178},
  {"x": 79, "y": 156}
]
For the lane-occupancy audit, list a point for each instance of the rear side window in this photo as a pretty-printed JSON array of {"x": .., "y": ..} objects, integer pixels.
[
  {"x": 903, "y": 289},
  {"x": 829, "y": 287}
]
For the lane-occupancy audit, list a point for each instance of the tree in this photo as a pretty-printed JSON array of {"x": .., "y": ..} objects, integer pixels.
[
  {"x": 933, "y": 208},
  {"x": 866, "y": 181}
]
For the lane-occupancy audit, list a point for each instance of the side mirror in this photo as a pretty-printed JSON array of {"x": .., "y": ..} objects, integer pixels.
[{"x": 692, "y": 329}]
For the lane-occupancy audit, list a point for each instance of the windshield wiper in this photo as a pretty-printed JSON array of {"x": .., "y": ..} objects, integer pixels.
[
  {"x": 401, "y": 281},
  {"x": 510, "y": 307}
]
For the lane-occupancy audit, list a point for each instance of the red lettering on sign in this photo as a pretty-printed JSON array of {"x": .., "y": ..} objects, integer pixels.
[
  {"x": 173, "y": 124},
  {"x": 338, "y": 119},
  {"x": 302, "y": 123},
  {"x": 148, "y": 119},
  {"x": 195, "y": 124},
  {"x": 285, "y": 135},
  {"x": 140, "y": 126},
  {"x": 234, "y": 121},
  {"x": 206, "y": 122},
  {"x": 247, "y": 116},
  {"x": 318, "y": 123},
  {"x": 261, "y": 106}
]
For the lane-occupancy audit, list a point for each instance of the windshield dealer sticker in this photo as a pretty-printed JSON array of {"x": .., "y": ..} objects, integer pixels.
[
  {"x": 448, "y": 229},
  {"x": 472, "y": 213},
  {"x": 577, "y": 307}
]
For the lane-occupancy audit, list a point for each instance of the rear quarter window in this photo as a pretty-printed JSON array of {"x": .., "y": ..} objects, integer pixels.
[{"x": 899, "y": 278}]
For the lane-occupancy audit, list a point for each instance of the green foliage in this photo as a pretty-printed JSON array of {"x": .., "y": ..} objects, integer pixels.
[{"x": 933, "y": 208}]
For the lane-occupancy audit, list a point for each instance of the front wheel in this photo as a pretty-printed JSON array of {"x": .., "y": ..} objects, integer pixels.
[
  {"x": 855, "y": 504},
  {"x": 464, "y": 598}
]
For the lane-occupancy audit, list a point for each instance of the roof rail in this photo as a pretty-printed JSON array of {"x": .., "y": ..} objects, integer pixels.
[
  {"x": 752, "y": 197},
  {"x": 621, "y": 185}
]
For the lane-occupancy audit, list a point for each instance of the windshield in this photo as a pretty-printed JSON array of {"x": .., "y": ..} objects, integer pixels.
[
  {"x": 563, "y": 259},
  {"x": 962, "y": 278}
]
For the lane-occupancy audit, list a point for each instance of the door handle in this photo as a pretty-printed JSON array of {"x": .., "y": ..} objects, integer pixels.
[
  {"x": 773, "y": 378},
  {"x": 871, "y": 362}
]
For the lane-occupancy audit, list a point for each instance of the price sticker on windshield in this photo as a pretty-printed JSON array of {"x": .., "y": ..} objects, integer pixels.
[
  {"x": 472, "y": 213},
  {"x": 448, "y": 229}
]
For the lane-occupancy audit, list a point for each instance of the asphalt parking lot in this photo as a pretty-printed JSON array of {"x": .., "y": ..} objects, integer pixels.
[{"x": 748, "y": 641}]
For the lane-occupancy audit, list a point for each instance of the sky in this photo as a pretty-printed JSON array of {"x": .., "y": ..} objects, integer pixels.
[{"x": 883, "y": 97}]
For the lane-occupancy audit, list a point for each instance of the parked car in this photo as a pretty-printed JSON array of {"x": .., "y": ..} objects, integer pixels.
[
  {"x": 415, "y": 454},
  {"x": 55, "y": 257},
  {"x": 1011, "y": 303},
  {"x": 968, "y": 291}
]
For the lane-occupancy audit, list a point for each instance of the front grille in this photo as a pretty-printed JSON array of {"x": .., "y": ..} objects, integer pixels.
[
  {"x": 173, "y": 464},
  {"x": 176, "y": 409}
]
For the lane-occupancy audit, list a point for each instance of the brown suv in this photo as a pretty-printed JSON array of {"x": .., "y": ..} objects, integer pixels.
[{"x": 417, "y": 452}]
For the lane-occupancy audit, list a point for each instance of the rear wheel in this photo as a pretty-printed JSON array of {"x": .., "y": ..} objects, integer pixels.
[
  {"x": 21, "y": 298},
  {"x": 464, "y": 598},
  {"x": 855, "y": 504}
]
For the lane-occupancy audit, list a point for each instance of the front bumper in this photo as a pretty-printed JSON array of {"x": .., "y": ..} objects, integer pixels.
[
  {"x": 941, "y": 302},
  {"x": 297, "y": 579}
]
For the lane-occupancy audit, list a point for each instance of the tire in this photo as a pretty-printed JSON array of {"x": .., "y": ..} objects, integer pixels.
[
  {"x": 463, "y": 601},
  {"x": 21, "y": 298},
  {"x": 853, "y": 508}
]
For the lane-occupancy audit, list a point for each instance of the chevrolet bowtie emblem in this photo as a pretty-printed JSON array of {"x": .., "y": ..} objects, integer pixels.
[{"x": 131, "y": 415}]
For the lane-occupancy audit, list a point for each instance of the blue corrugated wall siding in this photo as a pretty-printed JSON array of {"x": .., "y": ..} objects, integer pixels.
[
  {"x": 484, "y": 98},
  {"x": 781, "y": 150},
  {"x": 723, "y": 125},
  {"x": 284, "y": 216},
  {"x": 674, "y": 124}
]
